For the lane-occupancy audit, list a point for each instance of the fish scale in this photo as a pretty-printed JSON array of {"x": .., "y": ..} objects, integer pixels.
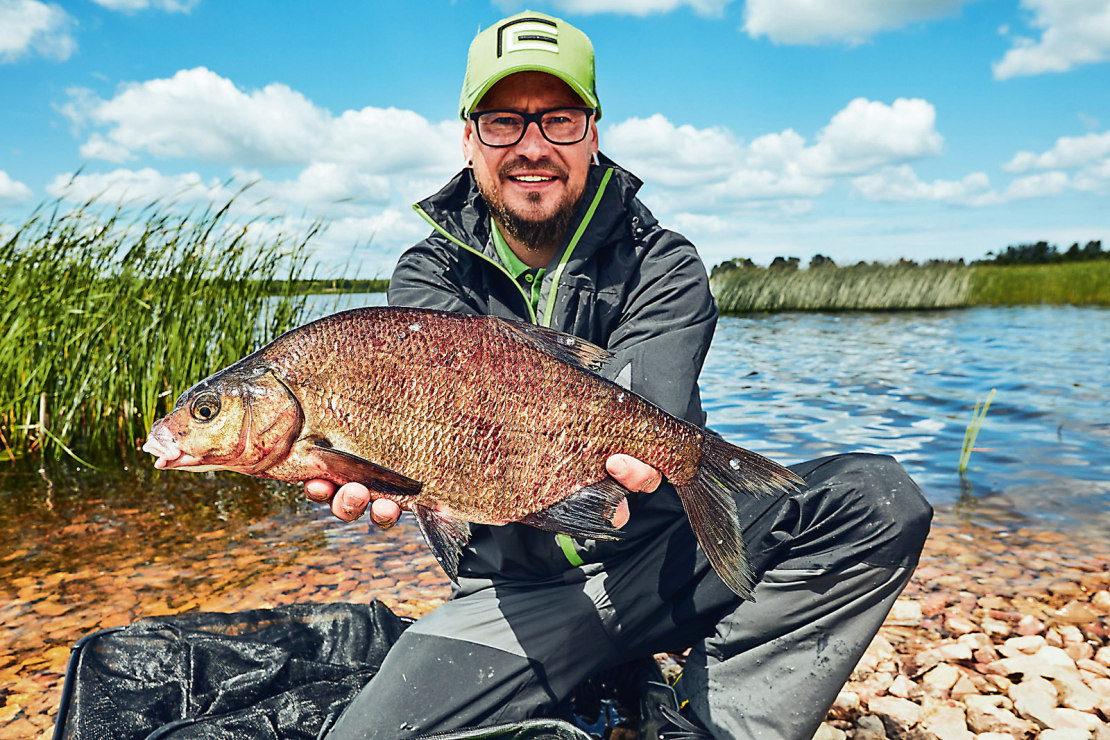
[{"x": 460, "y": 419}]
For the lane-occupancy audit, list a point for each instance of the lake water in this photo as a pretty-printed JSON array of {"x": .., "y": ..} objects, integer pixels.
[
  {"x": 82, "y": 550},
  {"x": 797, "y": 386}
]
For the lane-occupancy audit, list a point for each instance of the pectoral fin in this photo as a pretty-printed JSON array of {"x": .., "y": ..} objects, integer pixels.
[
  {"x": 371, "y": 475},
  {"x": 586, "y": 513},
  {"x": 445, "y": 535}
]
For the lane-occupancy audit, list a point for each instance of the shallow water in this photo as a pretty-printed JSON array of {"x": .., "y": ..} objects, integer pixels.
[
  {"x": 798, "y": 386},
  {"x": 81, "y": 550}
]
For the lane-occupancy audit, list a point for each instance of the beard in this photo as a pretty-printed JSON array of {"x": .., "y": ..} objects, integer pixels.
[{"x": 529, "y": 227}]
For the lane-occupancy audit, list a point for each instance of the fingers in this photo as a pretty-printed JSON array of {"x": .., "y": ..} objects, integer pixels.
[
  {"x": 633, "y": 474},
  {"x": 350, "y": 501},
  {"x": 319, "y": 490},
  {"x": 620, "y": 517},
  {"x": 384, "y": 513}
]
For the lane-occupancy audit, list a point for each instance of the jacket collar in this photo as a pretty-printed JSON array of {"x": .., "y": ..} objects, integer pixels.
[{"x": 460, "y": 209}]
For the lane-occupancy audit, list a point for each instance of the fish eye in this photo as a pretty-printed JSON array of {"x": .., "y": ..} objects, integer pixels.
[{"x": 205, "y": 407}]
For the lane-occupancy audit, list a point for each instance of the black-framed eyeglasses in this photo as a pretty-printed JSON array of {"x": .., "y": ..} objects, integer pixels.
[{"x": 500, "y": 128}]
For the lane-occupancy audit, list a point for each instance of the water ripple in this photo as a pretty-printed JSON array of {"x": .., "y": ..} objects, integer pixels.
[{"x": 796, "y": 386}]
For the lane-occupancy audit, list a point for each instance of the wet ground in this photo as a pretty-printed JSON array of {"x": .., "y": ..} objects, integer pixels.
[{"x": 85, "y": 552}]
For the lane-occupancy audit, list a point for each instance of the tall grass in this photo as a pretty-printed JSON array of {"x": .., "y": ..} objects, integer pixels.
[
  {"x": 107, "y": 315},
  {"x": 906, "y": 287},
  {"x": 861, "y": 287},
  {"x": 1070, "y": 283}
]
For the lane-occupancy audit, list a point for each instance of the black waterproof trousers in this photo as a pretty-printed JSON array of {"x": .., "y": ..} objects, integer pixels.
[{"x": 833, "y": 558}]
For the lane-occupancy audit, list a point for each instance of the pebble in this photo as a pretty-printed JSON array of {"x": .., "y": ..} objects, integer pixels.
[
  {"x": 1029, "y": 625},
  {"x": 943, "y": 676},
  {"x": 1003, "y": 651}
]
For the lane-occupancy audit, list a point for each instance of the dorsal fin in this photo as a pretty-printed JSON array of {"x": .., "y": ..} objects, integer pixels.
[{"x": 560, "y": 345}]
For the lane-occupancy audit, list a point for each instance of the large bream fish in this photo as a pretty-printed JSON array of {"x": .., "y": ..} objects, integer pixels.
[{"x": 459, "y": 419}]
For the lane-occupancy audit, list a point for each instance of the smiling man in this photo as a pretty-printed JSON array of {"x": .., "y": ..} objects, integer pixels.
[{"x": 541, "y": 227}]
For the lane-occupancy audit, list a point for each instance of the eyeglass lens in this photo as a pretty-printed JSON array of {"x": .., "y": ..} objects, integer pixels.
[{"x": 560, "y": 126}]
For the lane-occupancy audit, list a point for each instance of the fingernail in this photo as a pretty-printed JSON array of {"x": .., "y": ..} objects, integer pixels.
[{"x": 618, "y": 466}]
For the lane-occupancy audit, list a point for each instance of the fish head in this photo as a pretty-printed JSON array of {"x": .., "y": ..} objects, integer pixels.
[{"x": 242, "y": 421}]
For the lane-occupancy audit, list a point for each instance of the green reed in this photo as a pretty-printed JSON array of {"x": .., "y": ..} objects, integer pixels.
[
  {"x": 107, "y": 315},
  {"x": 972, "y": 431},
  {"x": 856, "y": 288},
  {"x": 901, "y": 287},
  {"x": 1070, "y": 283}
]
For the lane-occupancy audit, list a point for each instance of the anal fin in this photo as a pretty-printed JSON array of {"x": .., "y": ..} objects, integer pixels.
[
  {"x": 445, "y": 535},
  {"x": 586, "y": 513}
]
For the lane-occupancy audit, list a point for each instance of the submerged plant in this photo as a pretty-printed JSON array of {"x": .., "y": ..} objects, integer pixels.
[
  {"x": 973, "y": 431},
  {"x": 106, "y": 315}
]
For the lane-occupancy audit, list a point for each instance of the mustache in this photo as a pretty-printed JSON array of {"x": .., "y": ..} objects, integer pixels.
[{"x": 521, "y": 164}]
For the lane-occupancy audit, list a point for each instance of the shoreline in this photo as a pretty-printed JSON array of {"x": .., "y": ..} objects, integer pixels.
[{"x": 944, "y": 642}]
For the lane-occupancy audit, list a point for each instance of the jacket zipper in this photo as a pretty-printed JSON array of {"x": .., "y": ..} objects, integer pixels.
[{"x": 527, "y": 303}]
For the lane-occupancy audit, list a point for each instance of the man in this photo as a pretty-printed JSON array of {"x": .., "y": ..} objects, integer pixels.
[{"x": 533, "y": 229}]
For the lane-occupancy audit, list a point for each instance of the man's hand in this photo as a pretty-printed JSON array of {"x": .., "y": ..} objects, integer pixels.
[
  {"x": 633, "y": 475},
  {"x": 349, "y": 502}
]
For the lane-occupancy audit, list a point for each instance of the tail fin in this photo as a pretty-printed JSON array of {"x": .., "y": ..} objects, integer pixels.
[{"x": 708, "y": 498}]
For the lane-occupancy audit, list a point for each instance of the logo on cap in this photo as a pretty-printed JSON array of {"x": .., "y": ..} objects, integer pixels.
[{"x": 538, "y": 34}]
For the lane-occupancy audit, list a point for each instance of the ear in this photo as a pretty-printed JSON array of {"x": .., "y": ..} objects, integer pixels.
[
  {"x": 593, "y": 137},
  {"x": 469, "y": 143}
]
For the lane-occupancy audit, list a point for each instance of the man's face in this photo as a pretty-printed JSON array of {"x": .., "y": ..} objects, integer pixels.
[{"x": 534, "y": 182}]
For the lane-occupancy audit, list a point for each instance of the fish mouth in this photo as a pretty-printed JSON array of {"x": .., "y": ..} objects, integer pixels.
[{"x": 170, "y": 456}]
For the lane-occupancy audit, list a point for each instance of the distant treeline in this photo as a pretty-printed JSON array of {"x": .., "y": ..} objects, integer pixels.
[
  {"x": 1043, "y": 253},
  {"x": 316, "y": 287},
  {"x": 1022, "y": 275}
]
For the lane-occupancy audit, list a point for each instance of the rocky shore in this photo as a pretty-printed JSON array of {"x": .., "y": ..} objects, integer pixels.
[{"x": 1001, "y": 634}]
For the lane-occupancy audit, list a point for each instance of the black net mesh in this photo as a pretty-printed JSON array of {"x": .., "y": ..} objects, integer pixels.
[
  {"x": 283, "y": 673},
  {"x": 266, "y": 673}
]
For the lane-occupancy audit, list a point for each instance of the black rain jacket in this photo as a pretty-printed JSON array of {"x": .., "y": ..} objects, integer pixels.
[{"x": 618, "y": 281}]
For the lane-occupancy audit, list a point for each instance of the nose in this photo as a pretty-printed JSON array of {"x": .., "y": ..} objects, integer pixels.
[{"x": 532, "y": 144}]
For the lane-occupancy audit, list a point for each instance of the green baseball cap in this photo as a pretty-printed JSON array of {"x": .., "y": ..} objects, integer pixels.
[{"x": 529, "y": 42}]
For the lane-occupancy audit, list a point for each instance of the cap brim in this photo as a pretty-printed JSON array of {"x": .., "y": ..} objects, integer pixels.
[{"x": 586, "y": 96}]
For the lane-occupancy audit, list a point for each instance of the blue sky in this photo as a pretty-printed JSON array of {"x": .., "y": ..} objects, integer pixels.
[{"x": 860, "y": 129}]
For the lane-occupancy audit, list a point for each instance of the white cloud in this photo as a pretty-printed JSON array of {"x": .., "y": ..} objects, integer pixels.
[
  {"x": 850, "y": 21},
  {"x": 902, "y": 184},
  {"x": 32, "y": 25},
  {"x": 196, "y": 113},
  {"x": 1069, "y": 152},
  {"x": 704, "y": 168},
  {"x": 1036, "y": 186},
  {"x": 133, "y": 6},
  {"x": 321, "y": 186},
  {"x": 12, "y": 191},
  {"x": 370, "y": 225},
  {"x": 1088, "y": 154},
  {"x": 129, "y": 186},
  {"x": 1074, "y": 32},
  {"x": 868, "y": 133},
  {"x": 706, "y": 8}
]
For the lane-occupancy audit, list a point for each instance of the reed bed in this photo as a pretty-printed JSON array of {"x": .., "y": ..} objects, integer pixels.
[
  {"x": 1070, "y": 283},
  {"x": 902, "y": 287},
  {"x": 857, "y": 288},
  {"x": 106, "y": 315}
]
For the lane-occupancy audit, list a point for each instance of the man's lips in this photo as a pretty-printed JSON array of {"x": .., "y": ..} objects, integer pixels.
[{"x": 531, "y": 179}]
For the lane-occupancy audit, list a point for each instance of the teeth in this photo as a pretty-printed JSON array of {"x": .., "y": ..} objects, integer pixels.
[{"x": 533, "y": 178}]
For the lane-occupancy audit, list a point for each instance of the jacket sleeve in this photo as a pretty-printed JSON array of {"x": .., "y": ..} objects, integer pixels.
[
  {"x": 666, "y": 327},
  {"x": 424, "y": 278}
]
